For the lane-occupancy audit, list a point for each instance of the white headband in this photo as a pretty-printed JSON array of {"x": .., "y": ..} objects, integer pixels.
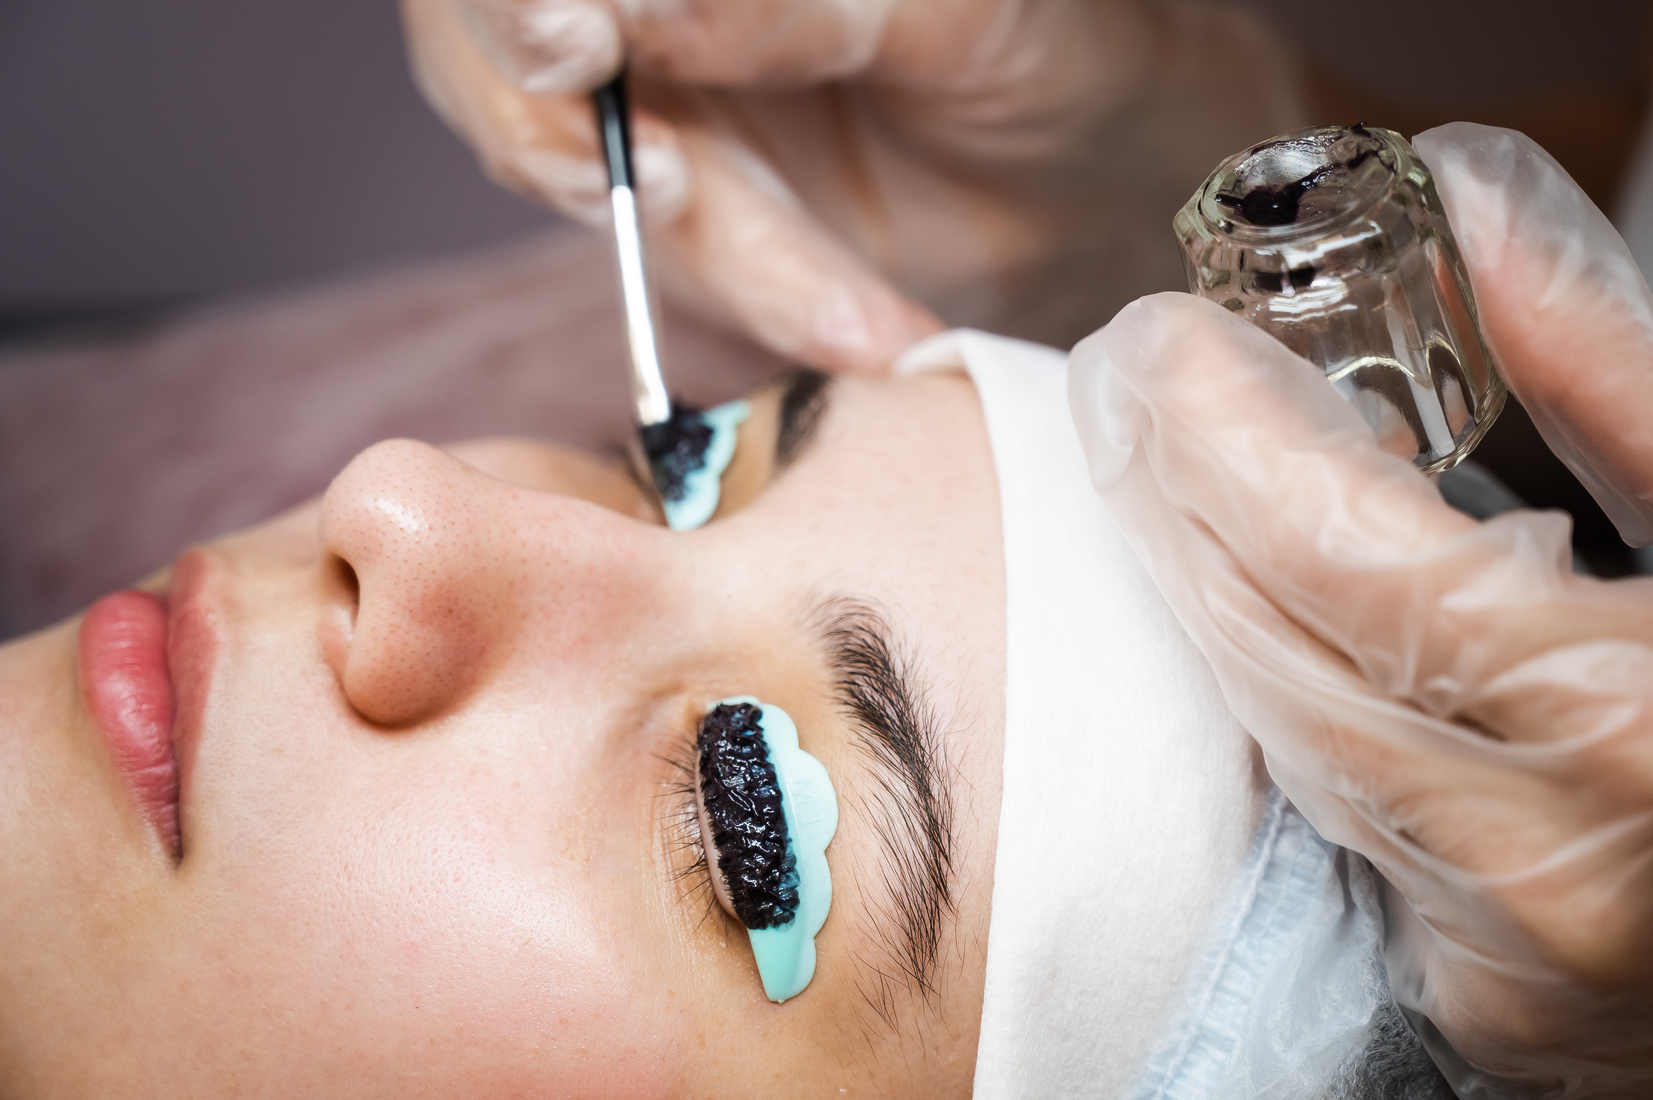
[{"x": 1152, "y": 895}]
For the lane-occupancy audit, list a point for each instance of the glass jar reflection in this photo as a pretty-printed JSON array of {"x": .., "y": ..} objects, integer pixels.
[{"x": 1334, "y": 241}]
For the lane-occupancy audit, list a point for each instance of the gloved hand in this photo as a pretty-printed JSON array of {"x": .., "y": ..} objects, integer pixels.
[
  {"x": 828, "y": 175},
  {"x": 1443, "y": 696}
]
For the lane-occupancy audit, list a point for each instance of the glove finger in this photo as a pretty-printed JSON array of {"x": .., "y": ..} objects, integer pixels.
[
  {"x": 1416, "y": 794},
  {"x": 746, "y": 251},
  {"x": 1463, "y": 621},
  {"x": 726, "y": 234},
  {"x": 742, "y": 42},
  {"x": 551, "y": 46},
  {"x": 1563, "y": 306},
  {"x": 544, "y": 146},
  {"x": 547, "y": 46},
  {"x": 1438, "y": 695}
]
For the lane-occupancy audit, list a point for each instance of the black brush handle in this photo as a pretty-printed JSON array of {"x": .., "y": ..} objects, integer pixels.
[{"x": 614, "y": 124}]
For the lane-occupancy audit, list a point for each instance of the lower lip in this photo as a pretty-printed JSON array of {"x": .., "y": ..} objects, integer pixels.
[{"x": 123, "y": 663}]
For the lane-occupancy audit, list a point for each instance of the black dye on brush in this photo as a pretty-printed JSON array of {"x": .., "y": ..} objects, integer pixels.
[
  {"x": 676, "y": 448},
  {"x": 742, "y": 801}
]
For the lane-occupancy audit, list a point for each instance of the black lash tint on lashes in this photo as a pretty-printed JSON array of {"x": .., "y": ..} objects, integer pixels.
[
  {"x": 741, "y": 800},
  {"x": 676, "y": 448}
]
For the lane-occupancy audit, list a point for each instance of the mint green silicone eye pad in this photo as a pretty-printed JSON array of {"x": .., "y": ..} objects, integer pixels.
[
  {"x": 767, "y": 813},
  {"x": 688, "y": 455}
]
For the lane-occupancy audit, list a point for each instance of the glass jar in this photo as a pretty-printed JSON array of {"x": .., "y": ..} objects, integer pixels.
[{"x": 1334, "y": 241}]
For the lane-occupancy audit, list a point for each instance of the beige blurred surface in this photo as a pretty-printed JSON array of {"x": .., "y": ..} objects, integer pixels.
[{"x": 115, "y": 457}]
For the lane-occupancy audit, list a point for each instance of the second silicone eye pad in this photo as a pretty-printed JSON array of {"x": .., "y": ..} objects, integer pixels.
[{"x": 767, "y": 813}]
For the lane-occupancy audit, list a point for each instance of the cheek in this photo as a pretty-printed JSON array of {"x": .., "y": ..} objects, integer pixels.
[
  {"x": 604, "y": 622},
  {"x": 421, "y": 945},
  {"x": 379, "y": 907}
]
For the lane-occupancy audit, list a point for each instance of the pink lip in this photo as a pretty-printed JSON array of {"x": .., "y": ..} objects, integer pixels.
[
  {"x": 144, "y": 664},
  {"x": 129, "y": 690}
]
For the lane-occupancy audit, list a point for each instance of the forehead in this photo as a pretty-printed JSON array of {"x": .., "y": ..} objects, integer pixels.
[
  {"x": 897, "y": 489},
  {"x": 896, "y": 502}
]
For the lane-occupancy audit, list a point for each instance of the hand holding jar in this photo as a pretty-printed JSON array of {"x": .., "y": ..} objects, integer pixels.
[{"x": 1441, "y": 695}]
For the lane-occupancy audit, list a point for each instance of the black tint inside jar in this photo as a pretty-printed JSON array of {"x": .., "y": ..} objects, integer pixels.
[{"x": 1303, "y": 180}]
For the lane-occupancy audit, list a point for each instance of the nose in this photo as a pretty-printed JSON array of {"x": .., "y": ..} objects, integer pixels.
[{"x": 446, "y": 566}]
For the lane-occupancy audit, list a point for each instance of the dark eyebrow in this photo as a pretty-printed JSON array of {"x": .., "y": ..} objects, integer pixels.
[
  {"x": 804, "y": 399},
  {"x": 911, "y": 805}
]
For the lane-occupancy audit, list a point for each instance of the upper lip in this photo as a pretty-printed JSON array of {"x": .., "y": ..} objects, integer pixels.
[
  {"x": 193, "y": 624},
  {"x": 144, "y": 664}
]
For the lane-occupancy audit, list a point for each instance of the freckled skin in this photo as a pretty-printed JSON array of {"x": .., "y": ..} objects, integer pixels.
[{"x": 426, "y": 789}]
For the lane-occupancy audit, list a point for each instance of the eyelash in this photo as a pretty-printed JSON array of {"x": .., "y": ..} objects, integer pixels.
[{"x": 682, "y": 824}]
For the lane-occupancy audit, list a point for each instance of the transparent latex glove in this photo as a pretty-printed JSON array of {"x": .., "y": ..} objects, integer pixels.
[
  {"x": 1565, "y": 309},
  {"x": 829, "y": 175},
  {"x": 1441, "y": 695}
]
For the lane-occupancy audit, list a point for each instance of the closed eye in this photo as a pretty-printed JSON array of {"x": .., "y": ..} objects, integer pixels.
[
  {"x": 785, "y": 423},
  {"x": 685, "y": 848}
]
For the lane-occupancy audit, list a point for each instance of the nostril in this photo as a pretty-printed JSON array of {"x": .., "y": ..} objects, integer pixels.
[
  {"x": 341, "y": 599},
  {"x": 346, "y": 583},
  {"x": 400, "y": 633},
  {"x": 413, "y": 605}
]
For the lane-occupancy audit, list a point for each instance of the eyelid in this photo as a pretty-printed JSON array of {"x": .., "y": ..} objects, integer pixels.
[
  {"x": 804, "y": 402},
  {"x": 750, "y": 470},
  {"x": 645, "y": 489},
  {"x": 783, "y": 423},
  {"x": 687, "y": 860},
  {"x": 641, "y": 477}
]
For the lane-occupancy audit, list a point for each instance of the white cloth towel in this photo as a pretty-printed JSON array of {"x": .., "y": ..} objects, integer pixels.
[{"x": 1139, "y": 922}]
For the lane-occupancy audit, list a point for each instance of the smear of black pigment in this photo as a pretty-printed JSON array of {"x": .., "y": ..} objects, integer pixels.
[
  {"x": 742, "y": 798},
  {"x": 1275, "y": 205},
  {"x": 1278, "y": 205},
  {"x": 676, "y": 448}
]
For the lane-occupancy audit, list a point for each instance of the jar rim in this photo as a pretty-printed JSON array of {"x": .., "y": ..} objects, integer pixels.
[{"x": 1300, "y": 185}]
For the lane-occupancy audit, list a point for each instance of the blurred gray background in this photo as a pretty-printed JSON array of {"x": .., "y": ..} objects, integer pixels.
[{"x": 154, "y": 152}]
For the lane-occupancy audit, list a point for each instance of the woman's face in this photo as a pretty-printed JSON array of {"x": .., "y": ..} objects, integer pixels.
[{"x": 435, "y": 823}]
